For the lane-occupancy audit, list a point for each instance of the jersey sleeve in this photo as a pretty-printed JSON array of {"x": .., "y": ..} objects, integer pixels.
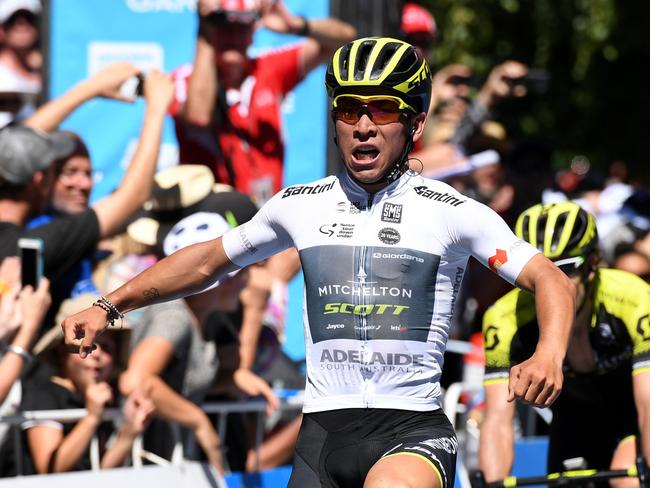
[
  {"x": 261, "y": 237},
  {"x": 485, "y": 235}
]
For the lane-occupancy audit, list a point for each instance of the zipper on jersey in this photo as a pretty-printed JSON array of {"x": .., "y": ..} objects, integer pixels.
[{"x": 362, "y": 273}]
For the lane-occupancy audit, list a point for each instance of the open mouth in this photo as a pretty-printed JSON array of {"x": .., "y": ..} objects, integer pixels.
[{"x": 365, "y": 154}]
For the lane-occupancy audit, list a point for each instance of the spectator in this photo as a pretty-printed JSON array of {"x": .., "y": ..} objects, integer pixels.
[
  {"x": 27, "y": 173},
  {"x": 21, "y": 312},
  {"x": 20, "y": 58},
  {"x": 418, "y": 27},
  {"x": 236, "y": 99},
  {"x": 56, "y": 447},
  {"x": 633, "y": 261},
  {"x": 170, "y": 340}
]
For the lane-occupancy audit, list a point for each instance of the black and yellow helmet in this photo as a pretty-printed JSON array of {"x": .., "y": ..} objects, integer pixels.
[
  {"x": 560, "y": 230},
  {"x": 380, "y": 65}
]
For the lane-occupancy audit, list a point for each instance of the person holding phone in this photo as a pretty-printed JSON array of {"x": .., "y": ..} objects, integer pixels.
[
  {"x": 35, "y": 159},
  {"x": 22, "y": 309}
]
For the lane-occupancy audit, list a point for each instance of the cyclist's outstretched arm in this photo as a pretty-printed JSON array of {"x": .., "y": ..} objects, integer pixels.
[
  {"x": 538, "y": 380},
  {"x": 496, "y": 451},
  {"x": 187, "y": 271}
]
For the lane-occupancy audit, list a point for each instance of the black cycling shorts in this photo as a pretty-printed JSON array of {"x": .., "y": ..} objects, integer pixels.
[{"x": 336, "y": 449}]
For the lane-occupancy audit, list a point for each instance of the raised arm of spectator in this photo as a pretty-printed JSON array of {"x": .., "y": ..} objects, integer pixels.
[
  {"x": 538, "y": 380},
  {"x": 203, "y": 84},
  {"x": 324, "y": 36},
  {"x": 147, "y": 362},
  {"x": 21, "y": 313},
  {"x": 113, "y": 210},
  {"x": 105, "y": 83},
  {"x": 499, "y": 85}
]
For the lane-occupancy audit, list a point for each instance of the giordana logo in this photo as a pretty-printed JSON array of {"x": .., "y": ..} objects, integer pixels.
[
  {"x": 144, "y": 55},
  {"x": 392, "y": 255},
  {"x": 425, "y": 192},
  {"x": 499, "y": 259},
  {"x": 388, "y": 235},
  {"x": 307, "y": 189},
  {"x": 391, "y": 213}
]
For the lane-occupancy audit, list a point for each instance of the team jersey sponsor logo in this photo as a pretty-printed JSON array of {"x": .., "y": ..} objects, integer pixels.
[
  {"x": 364, "y": 309},
  {"x": 392, "y": 213},
  {"x": 394, "y": 255},
  {"x": 499, "y": 259},
  {"x": 388, "y": 235},
  {"x": 245, "y": 241},
  {"x": 371, "y": 358},
  {"x": 445, "y": 197},
  {"x": 341, "y": 230},
  {"x": 361, "y": 290},
  {"x": 350, "y": 207},
  {"x": 307, "y": 189}
]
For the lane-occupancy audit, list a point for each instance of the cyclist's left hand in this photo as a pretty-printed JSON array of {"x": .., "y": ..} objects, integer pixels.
[{"x": 536, "y": 381}]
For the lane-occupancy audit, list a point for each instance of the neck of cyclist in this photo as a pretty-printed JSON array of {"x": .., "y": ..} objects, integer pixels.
[{"x": 395, "y": 170}]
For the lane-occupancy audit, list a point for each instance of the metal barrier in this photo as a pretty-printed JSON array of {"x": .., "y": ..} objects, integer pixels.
[{"x": 221, "y": 409}]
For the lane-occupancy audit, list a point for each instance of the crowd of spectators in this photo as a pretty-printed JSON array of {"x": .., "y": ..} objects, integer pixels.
[{"x": 225, "y": 342}]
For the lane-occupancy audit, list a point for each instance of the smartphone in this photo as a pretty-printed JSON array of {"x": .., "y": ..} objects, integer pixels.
[
  {"x": 31, "y": 261},
  {"x": 133, "y": 87}
]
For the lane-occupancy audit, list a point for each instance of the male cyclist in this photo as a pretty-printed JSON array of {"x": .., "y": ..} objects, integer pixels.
[
  {"x": 383, "y": 252},
  {"x": 607, "y": 359}
]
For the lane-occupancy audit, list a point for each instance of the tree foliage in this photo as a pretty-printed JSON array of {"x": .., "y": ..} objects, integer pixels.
[{"x": 594, "y": 52}]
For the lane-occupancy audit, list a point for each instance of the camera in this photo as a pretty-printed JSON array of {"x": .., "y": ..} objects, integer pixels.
[{"x": 535, "y": 81}]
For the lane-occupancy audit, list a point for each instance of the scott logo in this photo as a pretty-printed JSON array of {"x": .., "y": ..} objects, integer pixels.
[
  {"x": 362, "y": 310},
  {"x": 498, "y": 260}
]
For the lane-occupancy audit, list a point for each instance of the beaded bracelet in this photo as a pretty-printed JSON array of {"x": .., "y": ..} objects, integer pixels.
[{"x": 112, "y": 313}]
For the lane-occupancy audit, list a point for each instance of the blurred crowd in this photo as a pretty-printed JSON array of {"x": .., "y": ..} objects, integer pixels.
[{"x": 225, "y": 343}]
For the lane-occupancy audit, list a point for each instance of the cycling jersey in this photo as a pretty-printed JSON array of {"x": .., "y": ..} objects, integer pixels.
[
  {"x": 620, "y": 330},
  {"x": 382, "y": 272},
  {"x": 586, "y": 422}
]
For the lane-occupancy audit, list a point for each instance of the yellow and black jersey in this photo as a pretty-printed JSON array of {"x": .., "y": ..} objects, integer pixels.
[{"x": 619, "y": 336}]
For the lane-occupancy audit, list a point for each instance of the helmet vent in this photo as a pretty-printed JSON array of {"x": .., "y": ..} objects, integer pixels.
[
  {"x": 383, "y": 58},
  {"x": 408, "y": 60},
  {"x": 557, "y": 231},
  {"x": 363, "y": 54},
  {"x": 344, "y": 61}
]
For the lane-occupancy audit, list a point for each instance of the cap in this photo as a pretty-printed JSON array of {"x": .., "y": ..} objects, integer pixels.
[
  {"x": 417, "y": 20},
  {"x": 181, "y": 192},
  {"x": 25, "y": 151},
  {"x": 10, "y": 7}
]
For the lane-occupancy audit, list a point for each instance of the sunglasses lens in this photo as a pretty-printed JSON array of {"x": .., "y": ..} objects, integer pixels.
[
  {"x": 571, "y": 267},
  {"x": 381, "y": 111}
]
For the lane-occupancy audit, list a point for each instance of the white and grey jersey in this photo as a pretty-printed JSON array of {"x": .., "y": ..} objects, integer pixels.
[{"x": 382, "y": 273}]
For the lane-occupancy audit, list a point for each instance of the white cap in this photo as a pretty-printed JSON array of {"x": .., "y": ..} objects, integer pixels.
[{"x": 9, "y": 7}]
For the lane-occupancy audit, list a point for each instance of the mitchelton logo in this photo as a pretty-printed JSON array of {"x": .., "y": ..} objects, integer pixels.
[{"x": 498, "y": 260}]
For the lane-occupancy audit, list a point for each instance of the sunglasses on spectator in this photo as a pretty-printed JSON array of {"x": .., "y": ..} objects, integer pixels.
[
  {"x": 571, "y": 266},
  {"x": 381, "y": 109}
]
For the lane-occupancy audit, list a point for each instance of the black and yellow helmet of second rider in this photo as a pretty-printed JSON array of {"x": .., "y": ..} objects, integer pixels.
[
  {"x": 560, "y": 230},
  {"x": 380, "y": 65}
]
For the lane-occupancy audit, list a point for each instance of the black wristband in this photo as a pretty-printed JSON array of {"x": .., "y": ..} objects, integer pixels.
[{"x": 304, "y": 30}]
